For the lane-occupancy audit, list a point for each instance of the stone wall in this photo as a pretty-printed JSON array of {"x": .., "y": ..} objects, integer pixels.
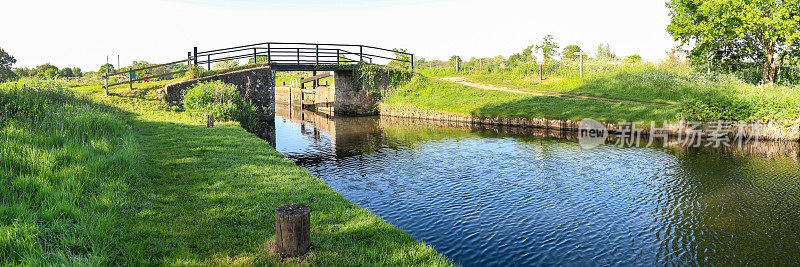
[
  {"x": 350, "y": 101},
  {"x": 767, "y": 131},
  {"x": 256, "y": 85}
]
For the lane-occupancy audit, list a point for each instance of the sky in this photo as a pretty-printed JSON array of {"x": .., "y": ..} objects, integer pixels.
[{"x": 81, "y": 33}]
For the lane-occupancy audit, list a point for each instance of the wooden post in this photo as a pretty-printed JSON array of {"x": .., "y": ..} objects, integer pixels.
[
  {"x": 106, "y": 86},
  {"x": 208, "y": 62},
  {"x": 269, "y": 53},
  {"x": 130, "y": 78},
  {"x": 209, "y": 120},
  {"x": 195, "y": 56},
  {"x": 255, "y": 56},
  {"x": 292, "y": 230}
]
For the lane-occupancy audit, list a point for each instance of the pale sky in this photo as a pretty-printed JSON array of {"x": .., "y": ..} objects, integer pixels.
[{"x": 83, "y": 32}]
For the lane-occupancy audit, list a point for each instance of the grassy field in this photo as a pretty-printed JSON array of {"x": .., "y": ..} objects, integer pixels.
[
  {"x": 701, "y": 96},
  {"x": 451, "y": 97},
  {"x": 126, "y": 180}
]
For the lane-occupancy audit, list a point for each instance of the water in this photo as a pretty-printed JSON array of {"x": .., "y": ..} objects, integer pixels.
[{"x": 494, "y": 196}]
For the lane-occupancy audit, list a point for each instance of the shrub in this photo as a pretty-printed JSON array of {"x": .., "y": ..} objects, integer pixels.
[{"x": 216, "y": 98}]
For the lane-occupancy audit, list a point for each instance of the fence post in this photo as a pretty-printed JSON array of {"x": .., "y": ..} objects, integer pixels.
[
  {"x": 360, "y": 53},
  {"x": 338, "y": 57},
  {"x": 189, "y": 59},
  {"x": 317, "y": 52},
  {"x": 208, "y": 62},
  {"x": 195, "y": 56},
  {"x": 298, "y": 56},
  {"x": 269, "y": 53},
  {"x": 255, "y": 56},
  {"x": 412, "y": 62},
  {"x": 130, "y": 80},
  {"x": 106, "y": 76}
]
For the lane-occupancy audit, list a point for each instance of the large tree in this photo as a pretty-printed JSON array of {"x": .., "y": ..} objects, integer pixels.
[
  {"x": 6, "y": 60},
  {"x": 765, "y": 31},
  {"x": 549, "y": 47}
]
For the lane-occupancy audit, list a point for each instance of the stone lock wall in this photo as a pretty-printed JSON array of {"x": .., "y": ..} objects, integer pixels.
[
  {"x": 256, "y": 85},
  {"x": 352, "y": 101}
]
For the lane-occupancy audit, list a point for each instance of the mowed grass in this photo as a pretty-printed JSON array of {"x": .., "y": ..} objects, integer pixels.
[
  {"x": 451, "y": 97},
  {"x": 701, "y": 96},
  {"x": 162, "y": 189}
]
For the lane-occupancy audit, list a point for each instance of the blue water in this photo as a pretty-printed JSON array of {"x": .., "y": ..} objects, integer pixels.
[{"x": 489, "y": 197}]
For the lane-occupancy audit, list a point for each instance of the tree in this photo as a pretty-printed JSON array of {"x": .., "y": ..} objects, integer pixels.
[
  {"x": 106, "y": 68},
  {"x": 548, "y": 47},
  {"x": 765, "y": 32},
  {"x": 45, "y": 70},
  {"x": 228, "y": 63},
  {"x": 65, "y": 72},
  {"x": 604, "y": 51},
  {"x": 401, "y": 58},
  {"x": 570, "y": 50},
  {"x": 77, "y": 72},
  {"x": 6, "y": 60},
  {"x": 260, "y": 60},
  {"x": 22, "y": 72},
  {"x": 633, "y": 58}
]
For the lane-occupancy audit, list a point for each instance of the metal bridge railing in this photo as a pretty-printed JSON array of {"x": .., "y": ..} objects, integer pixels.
[
  {"x": 281, "y": 53},
  {"x": 277, "y": 53}
]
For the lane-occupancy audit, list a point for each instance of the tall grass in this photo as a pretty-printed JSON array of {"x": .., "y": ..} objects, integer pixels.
[{"x": 65, "y": 163}]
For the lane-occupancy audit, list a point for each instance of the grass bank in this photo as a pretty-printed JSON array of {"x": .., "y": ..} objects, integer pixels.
[
  {"x": 145, "y": 185},
  {"x": 450, "y": 97},
  {"x": 705, "y": 97}
]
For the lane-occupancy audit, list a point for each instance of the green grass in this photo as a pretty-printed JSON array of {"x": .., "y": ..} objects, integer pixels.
[
  {"x": 66, "y": 164},
  {"x": 125, "y": 180},
  {"x": 701, "y": 96},
  {"x": 456, "y": 98}
]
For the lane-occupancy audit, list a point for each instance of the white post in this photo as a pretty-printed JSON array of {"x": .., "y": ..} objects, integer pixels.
[{"x": 581, "y": 56}]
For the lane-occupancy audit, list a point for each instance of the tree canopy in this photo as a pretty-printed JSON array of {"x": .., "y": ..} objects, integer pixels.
[
  {"x": 765, "y": 32},
  {"x": 549, "y": 47},
  {"x": 569, "y": 52},
  {"x": 6, "y": 60}
]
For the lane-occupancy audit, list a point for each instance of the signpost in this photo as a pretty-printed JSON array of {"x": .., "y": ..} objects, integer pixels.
[{"x": 581, "y": 54}]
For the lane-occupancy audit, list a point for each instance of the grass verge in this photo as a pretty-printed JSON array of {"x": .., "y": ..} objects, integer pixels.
[
  {"x": 145, "y": 185},
  {"x": 456, "y": 98}
]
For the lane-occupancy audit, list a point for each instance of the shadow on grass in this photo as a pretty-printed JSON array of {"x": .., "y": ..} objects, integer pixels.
[
  {"x": 573, "y": 109},
  {"x": 209, "y": 196}
]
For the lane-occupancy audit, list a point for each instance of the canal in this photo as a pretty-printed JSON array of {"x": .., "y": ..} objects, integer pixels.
[{"x": 512, "y": 196}]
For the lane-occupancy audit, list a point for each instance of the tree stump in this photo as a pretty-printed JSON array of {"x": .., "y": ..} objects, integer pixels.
[
  {"x": 292, "y": 230},
  {"x": 209, "y": 120}
]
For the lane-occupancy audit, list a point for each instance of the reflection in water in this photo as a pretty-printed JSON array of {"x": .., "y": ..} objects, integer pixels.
[{"x": 495, "y": 196}]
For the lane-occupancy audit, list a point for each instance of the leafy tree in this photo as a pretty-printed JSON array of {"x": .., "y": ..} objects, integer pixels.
[
  {"x": 548, "y": 47},
  {"x": 106, "y": 68},
  {"x": 65, "y": 72},
  {"x": 6, "y": 60},
  {"x": 22, "y": 72},
  {"x": 399, "y": 54},
  {"x": 604, "y": 51},
  {"x": 633, "y": 58},
  {"x": 77, "y": 72},
  {"x": 261, "y": 59},
  {"x": 762, "y": 31},
  {"x": 570, "y": 50},
  {"x": 229, "y": 63},
  {"x": 455, "y": 59},
  {"x": 45, "y": 71}
]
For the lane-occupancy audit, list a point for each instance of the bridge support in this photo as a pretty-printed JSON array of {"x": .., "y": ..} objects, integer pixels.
[{"x": 255, "y": 84}]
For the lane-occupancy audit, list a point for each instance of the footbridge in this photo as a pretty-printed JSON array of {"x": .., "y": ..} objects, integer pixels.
[{"x": 256, "y": 79}]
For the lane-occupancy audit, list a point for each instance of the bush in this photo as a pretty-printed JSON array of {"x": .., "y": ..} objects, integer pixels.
[
  {"x": 221, "y": 100},
  {"x": 216, "y": 98}
]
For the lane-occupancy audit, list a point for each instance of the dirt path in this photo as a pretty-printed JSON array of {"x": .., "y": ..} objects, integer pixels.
[{"x": 463, "y": 81}]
